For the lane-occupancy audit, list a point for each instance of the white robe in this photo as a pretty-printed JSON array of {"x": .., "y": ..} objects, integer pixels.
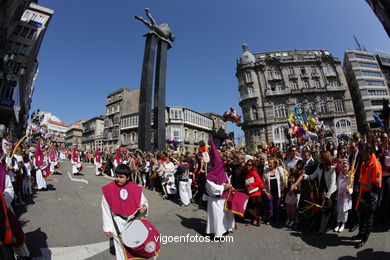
[
  {"x": 53, "y": 164},
  {"x": 219, "y": 221},
  {"x": 75, "y": 165},
  {"x": 97, "y": 167},
  {"x": 108, "y": 224},
  {"x": 344, "y": 198},
  {"x": 41, "y": 182},
  {"x": 185, "y": 191}
]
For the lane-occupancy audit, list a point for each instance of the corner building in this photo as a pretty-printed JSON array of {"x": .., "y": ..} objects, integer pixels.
[{"x": 271, "y": 84}]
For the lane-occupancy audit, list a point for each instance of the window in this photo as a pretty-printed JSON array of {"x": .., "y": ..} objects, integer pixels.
[
  {"x": 368, "y": 65},
  {"x": 295, "y": 85},
  {"x": 339, "y": 105},
  {"x": 291, "y": 71},
  {"x": 32, "y": 34},
  {"x": 186, "y": 133},
  {"x": 306, "y": 84},
  {"x": 323, "y": 106},
  {"x": 250, "y": 90},
  {"x": 371, "y": 73},
  {"x": 17, "y": 30},
  {"x": 255, "y": 115},
  {"x": 376, "y": 103},
  {"x": 303, "y": 70},
  {"x": 280, "y": 110},
  {"x": 248, "y": 76},
  {"x": 365, "y": 57},
  {"x": 256, "y": 136},
  {"x": 195, "y": 136},
  {"x": 379, "y": 92},
  {"x": 343, "y": 126},
  {"x": 317, "y": 84},
  {"x": 277, "y": 72},
  {"x": 313, "y": 69},
  {"x": 176, "y": 114},
  {"x": 279, "y": 137},
  {"x": 329, "y": 70},
  {"x": 270, "y": 73},
  {"x": 24, "y": 32},
  {"x": 176, "y": 132},
  {"x": 375, "y": 83},
  {"x": 23, "y": 50}
]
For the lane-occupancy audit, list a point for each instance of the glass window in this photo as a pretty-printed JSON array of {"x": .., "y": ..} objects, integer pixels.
[
  {"x": 295, "y": 84},
  {"x": 32, "y": 34},
  {"x": 375, "y": 83},
  {"x": 317, "y": 84},
  {"x": 368, "y": 65},
  {"x": 371, "y": 73},
  {"x": 250, "y": 90},
  {"x": 24, "y": 32},
  {"x": 362, "y": 56},
  {"x": 306, "y": 84},
  {"x": 323, "y": 106},
  {"x": 280, "y": 110},
  {"x": 291, "y": 71},
  {"x": 313, "y": 69},
  {"x": 17, "y": 30},
  {"x": 339, "y": 105},
  {"x": 303, "y": 69}
]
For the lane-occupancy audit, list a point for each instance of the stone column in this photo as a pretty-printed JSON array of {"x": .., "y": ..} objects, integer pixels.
[
  {"x": 146, "y": 91},
  {"x": 159, "y": 97}
]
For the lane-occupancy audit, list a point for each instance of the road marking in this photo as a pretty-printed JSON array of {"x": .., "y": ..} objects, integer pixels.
[
  {"x": 72, "y": 252},
  {"x": 75, "y": 179}
]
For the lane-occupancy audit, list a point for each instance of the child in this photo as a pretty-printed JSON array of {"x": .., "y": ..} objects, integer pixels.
[
  {"x": 291, "y": 201},
  {"x": 344, "y": 197}
]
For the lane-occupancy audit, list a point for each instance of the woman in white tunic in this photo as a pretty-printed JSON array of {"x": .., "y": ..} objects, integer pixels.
[
  {"x": 76, "y": 164},
  {"x": 344, "y": 197},
  {"x": 219, "y": 221},
  {"x": 97, "y": 159}
]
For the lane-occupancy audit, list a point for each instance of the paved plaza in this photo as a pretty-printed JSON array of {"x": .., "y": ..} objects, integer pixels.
[{"x": 66, "y": 223}]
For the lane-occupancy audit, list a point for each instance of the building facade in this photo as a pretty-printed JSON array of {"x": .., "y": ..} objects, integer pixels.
[
  {"x": 184, "y": 125},
  {"x": 272, "y": 84},
  {"x": 20, "y": 64},
  {"x": 381, "y": 8},
  {"x": 119, "y": 103},
  {"x": 367, "y": 85},
  {"x": 58, "y": 129},
  {"x": 74, "y": 134},
  {"x": 93, "y": 133}
]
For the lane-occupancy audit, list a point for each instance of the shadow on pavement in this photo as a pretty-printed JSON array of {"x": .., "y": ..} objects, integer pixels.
[
  {"x": 197, "y": 224},
  {"x": 368, "y": 254},
  {"x": 36, "y": 240},
  {"x": 323, "y": 241}
]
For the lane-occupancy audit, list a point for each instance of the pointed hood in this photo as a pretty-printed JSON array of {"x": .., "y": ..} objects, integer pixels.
[
  {"x": 217, "y": 173},
  {"x": 97, "y": 157},
  {"x": 52, "y": 155},
  {"x": 39, "y": 156},
  {"x": 75, "y": 157}
]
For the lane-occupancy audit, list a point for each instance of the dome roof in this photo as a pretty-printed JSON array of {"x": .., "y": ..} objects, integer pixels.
[{"x": 246, "y": 57}]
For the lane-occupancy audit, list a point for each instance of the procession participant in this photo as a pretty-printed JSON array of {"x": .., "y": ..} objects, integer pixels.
[
  {"x": 117, "y": 161},
  {"x": 18, "y": 169},
  {"x": 370, "y": 185},
  {"x": 219, "y": 221},
  {"x": 355, "y": 160},
  {"x": 121, "y": 200},
  {"x": 344, "y": 196},
  {"x": 76, "y": 164},
  {"x": 53, "y": 161},
  {"x": 40, "y": 166},
  {"x": 97, "y": 160},
  {"x": 27, "y": 182}
]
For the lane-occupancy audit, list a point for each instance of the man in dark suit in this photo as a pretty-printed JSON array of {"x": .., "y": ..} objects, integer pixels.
[{"x": 355, "y": 160}]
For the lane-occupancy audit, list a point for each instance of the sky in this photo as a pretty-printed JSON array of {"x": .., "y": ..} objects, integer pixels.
[{"x": 94, "y": 47}]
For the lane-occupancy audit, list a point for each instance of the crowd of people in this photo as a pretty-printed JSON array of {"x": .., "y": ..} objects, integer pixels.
[{"x": 307, "y": 186}]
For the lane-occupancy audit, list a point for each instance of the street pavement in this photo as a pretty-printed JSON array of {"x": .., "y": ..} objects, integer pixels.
[{"x": 66, "y": 223}]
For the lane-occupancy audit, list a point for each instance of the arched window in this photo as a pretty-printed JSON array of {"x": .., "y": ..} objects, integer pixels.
[
  {"x": 279, "y": 137},
  {"x": 339, "y": 105},
  {"x": 280, "y": 110},
  {"x": 323, "y": 106},
  {"x": 255, "y": 115},
  {"x": 343, "y": 126}
]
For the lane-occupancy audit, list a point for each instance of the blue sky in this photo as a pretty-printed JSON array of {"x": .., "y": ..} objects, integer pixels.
[{"x": 93, "y": 47}]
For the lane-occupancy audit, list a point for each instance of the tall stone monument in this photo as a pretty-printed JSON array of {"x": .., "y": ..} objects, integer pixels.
[{"x": 160, "y": 36}]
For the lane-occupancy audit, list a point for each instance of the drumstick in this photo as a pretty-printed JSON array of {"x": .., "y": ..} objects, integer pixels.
[{"x": 318, "y": 206}]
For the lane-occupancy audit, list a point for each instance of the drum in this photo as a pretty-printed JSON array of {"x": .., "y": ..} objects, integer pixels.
[
  {"x": 79, "y": 167},
  {"x": 236, "y": 202},
  {"x": 102, "y": 168},
  {"x": 46, "y": 172},
  {"x": 141, "y": 239},
  {"x": 56, "y": 165}
]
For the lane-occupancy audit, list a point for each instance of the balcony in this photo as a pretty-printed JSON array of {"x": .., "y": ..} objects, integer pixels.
[
  {"x": 278, "y": 92},
  {"x": 293, "y": 76},
  {"x": 274, "y": 77},
  {"x": 248, "y": 96},
  {"x": 334, "y": 88},
  {"x": 304, "y": 75},
  {"x": 315, "y": 75},
  {"x": 330, "y": 74}
]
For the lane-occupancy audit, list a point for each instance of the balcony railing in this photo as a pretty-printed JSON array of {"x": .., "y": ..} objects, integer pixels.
[
  {"x": 247, "y": 96},
  {"x": 274, "y": 77},
  {"x": 270, "y": 92}
]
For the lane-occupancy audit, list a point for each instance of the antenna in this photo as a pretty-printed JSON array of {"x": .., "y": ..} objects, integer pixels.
[{"x": 357, "y": 43}]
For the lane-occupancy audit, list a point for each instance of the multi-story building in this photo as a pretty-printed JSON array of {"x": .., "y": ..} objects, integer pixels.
[
  {"x": 272, "y": 84},
  {"x": 381, "y": 9},
  {"x": 20, "y": 65},
  {"x": 367, "y": 85},
  {"x": 58, "y": 129},
  {"x": 384, "y": 64},
  {"x": 93, "y": 133},
  {"x": 74, "y": 134},
  {"x": 184, "y": 125},
  {"x": 119, "y": 103}
]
